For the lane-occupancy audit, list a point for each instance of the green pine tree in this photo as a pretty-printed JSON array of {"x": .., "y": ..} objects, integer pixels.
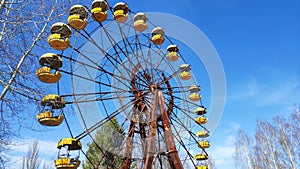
[{"x": 103, "y": 152}]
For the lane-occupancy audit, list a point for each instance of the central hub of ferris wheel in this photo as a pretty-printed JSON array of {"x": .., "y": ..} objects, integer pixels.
[{"x": 150, "y": 110}]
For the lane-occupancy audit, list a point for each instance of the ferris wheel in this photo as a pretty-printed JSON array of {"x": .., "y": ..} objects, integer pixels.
[{"x": 119, "y": 64}]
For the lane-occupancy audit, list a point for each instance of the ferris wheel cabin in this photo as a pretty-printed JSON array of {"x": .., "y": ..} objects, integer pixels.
[
  {"x": 78, "y": 17},
  {"x": 201, "y": 120},
  {"x": 158, "y": 36},
  {"x": 51, "y": 60},
  {"x": 47, "y": 119},
  {"x": 140, "y": 22},
  {"x": 202, "y": 134},
  {"x": 194, "y": 96},
  {"x": 200, "y": 110},
  {"x": 45, "y": 75},
  {"x": 172, "y": 53},
  {"x": 203, "y": 144},
  {"x": 51, "y": 103},
  {"x": 99, "y": 10},
  {"x": 200, "y": 157},
  {"x": 66, "y": 158},
  {"x": 185, "y": 72},
  {"x": 121, "y": 12},
  {"x": 49, "y": 73},
  {"x": 202, "y": 167},
  {"x": 60, "y": 34},
  {"x": 54, "y": 101}
]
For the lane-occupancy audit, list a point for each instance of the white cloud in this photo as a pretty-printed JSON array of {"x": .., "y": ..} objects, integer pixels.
[
  {"x": 16, "y": 162},
  {"x": 223, "y": 155},
  {"x": 242, "y": 91},
  {"x": 232, "y": 127},
  {"x": 222, "y": 148},
  {"x": 265, "y": 92},
  {"x": 18, "y": 149},
  {"x": 46, "y": 147},
  {"x": 285, "y": 93}
]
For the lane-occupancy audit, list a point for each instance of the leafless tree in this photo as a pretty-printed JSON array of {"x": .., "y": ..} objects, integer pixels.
[
  {"x": 276, "y": 145},
  {"x": 243, "y": 156},
  {"x": 32, "y": 159},
  {"x": 24, "y": 27},
  {"x": 211, "y": 163}
]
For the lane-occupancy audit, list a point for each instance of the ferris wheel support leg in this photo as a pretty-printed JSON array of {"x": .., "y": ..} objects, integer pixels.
[
  {"x": 128, "y": 150},
  {"x": 172, "y": 152},
  {"x": 150, "y": 153},
  {"x": 143, "y": 138}
]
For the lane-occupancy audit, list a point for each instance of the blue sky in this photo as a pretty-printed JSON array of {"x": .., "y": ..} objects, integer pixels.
[{"x": 258, "y": 42}]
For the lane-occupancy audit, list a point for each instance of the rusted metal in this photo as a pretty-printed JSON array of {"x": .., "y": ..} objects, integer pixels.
[
  {"x": 172, "y": 152},
  {"x": 149, "y": 140},
  {"x": 170, "y": 93},
  {"x": 152, "y": 139},
  {"x": 128, "y": 149}
]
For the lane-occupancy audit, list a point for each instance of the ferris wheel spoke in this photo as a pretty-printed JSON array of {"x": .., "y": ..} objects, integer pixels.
[
  {"x": 159, "y": 64},
  {"x": 107, "y": 55},
  {"x": 176, "y": 92},
  {"x": 180, "y": 123},
  {"x": 101, "y": 94},
  {"x": 128, "y": 43},
  {"x": 104, "y": 120},
  {"x": 185, "y": 112},
  {"x": 187, "y": 101},
  {"x": 97, "y": 100},
  {"x": 177, "y": 87},
  {"x": 91, "y": 80},
  {"x": 90, "y": 66},
  {"x": 191, "y": 134},
  {"x": 96, "y": 64},
  {"x": 180, "y": 141},
  {"x": 138, "y": 46},
  {"x": 169, "y": 77},
  {"x": 114, "y": 45}
]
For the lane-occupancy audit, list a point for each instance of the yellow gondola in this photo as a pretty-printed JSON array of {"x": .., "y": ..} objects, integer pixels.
[
  {"x": 140, "y": 22},
  {"x": 78, "y": 17},
  {"x": 201, "y": 120},
  {"x": 71, "y": 143},
  {"x": 60, "y": 34},
  {"x": 200, "y": 157},
  {"x": 46, "y": 118},
  {"x": 121, "y": 12},
  {"x": 51, "y": 60},
  {"x": 54, "y": 101},
  {"x": 158, "y": 36},
  {"x": 203, "y": 144},
  {"x": 200, "y": 110},
  {"x": 66, "y": 161},
  {"x": 44, "y": 75},
  {"x": 172, "y": 53},
  {"x": 194, "y": 89},
  {"x": 194, "y": 96},
  {"x": 49, "y": 72},
  {"x": 99, "y": 10},
  {"x": 185, "y": 72},
  {"x": 202, "y": 134},
  {"x": 202, "y": 167}
]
